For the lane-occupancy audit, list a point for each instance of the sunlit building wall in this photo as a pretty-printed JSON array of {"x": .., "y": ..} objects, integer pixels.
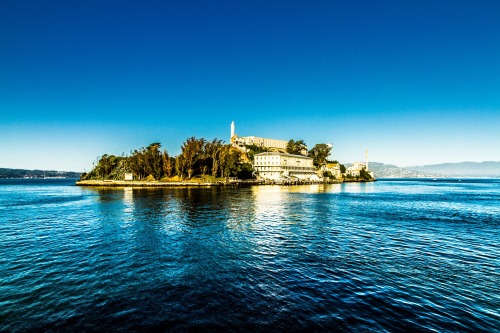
[{"x": 280, "y": 166}]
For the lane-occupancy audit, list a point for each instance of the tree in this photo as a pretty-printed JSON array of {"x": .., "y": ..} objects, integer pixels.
[
  {"x": 229, "y": 161},
  {"x": 231, "y": 164},
  {"x": 364, "y": 175},
  {"x": 167, "y": 166},
  {"x": 137, "y": 163},
  {"x": 224, "y": 152},
  {"x": 342, "y": 168},
  {"x": 107, "y": 167},
  {"x": 245, "y": 171},
  {"x": 319, "y": 153},
  {"x": 296, "y": 147},
  {"x": 192, "y": 152},
  {"x": 179, "y": 166},
  {"x": 253, "y": 149},
  {"x": 153, "y": 160},
  {"x": 213, "y": 150}
]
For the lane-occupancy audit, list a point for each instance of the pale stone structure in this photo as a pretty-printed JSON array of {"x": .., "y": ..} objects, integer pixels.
[{"x": 255, "y": 140}]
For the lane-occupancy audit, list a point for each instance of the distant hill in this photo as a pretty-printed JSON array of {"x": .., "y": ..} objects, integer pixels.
[
  {"x": 22, "y": 173},
  {"x": 382, "y": 170},
  {"x": 464, "y": 169}
]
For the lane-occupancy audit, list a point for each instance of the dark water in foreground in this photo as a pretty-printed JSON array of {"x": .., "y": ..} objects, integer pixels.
[{"x": 384, "y": 256}]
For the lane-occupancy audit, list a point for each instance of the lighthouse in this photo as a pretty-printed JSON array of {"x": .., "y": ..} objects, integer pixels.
[{"x": 232, "y": 131}]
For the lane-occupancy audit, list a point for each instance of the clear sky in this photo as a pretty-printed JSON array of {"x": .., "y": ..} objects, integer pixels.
[{"x": 414, "y": 82}]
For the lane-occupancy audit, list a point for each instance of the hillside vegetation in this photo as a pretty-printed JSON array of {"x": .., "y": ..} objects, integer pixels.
[{"x": 199, "y": 157}]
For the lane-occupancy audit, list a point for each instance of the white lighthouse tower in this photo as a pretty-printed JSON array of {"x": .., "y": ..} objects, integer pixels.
[{"x": 232, "y": 131}]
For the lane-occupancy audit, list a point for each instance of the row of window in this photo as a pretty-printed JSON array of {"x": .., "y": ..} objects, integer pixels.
[
  {"x": 257, "y": 164},
  {"x": 278, "y": 168}
]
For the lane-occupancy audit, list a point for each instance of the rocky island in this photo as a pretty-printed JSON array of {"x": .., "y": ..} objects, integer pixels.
[{"x": 252, "y": 160}]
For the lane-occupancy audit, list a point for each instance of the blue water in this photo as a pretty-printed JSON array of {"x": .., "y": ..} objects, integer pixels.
[{"x": 407, "y": 255}]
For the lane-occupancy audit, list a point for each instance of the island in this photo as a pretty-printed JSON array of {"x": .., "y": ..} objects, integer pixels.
[{"x": 244, "y": 160}]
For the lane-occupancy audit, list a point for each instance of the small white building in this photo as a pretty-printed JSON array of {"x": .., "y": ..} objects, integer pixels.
[
  {"x": 280, "y": 166},
  {"x": 129, "y": 176}
]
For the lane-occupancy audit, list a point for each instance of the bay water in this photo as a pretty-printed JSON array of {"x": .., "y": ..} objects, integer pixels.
[{"x": 388, "y": 256}]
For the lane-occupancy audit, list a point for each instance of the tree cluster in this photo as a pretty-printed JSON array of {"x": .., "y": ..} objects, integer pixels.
[
  {"x": 364, "y": 175},
  {"x": 198, "y": 157},
  {"x": 319, "y": 153},
  {"x": 296, "y": 147}
]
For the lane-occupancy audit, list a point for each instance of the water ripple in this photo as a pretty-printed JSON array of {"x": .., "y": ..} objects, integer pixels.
[{"x": 385, "y": 256}]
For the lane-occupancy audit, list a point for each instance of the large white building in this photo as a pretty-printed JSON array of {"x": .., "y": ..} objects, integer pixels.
[
  {"x": 255, "y": 140},
  {"x": 280, "y": 166}
]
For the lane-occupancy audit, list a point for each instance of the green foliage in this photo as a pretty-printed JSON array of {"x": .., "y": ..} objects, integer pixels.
[
  {"x": 342, "y": 168},
  {"x": 192, "y": 153},
  {"x": 319, "y": 153},
  {"x": 253, "y": 149},
  {"x": 107, "y": 167},
  {"x": 146, "y": 161},
  {"x": 212, "y": 161},
  {"x": 364, "y": 175},
  {"x": 296, "y": 147},
  {"x": 142, "y": 163},
  {"x": 245, "y": 171},
  {"x": 199, "y": 157},
  {"x": 230, "y": 163},
  {"x": 256, "y": 149}
]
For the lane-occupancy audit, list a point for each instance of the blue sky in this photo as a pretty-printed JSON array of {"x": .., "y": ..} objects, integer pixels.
[{"x": 414, "y": 82}]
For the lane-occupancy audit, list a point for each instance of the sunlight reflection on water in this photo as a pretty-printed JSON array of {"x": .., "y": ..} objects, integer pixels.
[{"x": 384, "y": 256}]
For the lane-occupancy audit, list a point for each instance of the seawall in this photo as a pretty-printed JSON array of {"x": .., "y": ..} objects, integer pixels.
[{"x": 135, "y": 183}]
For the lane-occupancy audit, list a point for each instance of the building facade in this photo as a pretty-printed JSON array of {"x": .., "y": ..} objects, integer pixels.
[
  {"x": 255, "y": 140},
  {"x": 261, "y": 142},
  {"x": 355, "y": 169},
  {"x": 280, "y": 166},
  {"x": 334, "y": 169}
]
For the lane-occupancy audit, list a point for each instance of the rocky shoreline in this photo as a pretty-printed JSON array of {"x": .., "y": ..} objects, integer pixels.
[{"x": 136, "y": 183}]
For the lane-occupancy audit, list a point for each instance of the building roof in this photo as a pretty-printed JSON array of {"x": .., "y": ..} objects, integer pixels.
[{"x": 282, "y": 154}]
